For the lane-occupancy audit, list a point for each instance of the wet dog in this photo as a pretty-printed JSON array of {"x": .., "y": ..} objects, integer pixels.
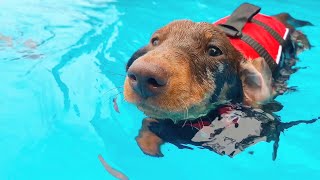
[{"x": 189, "y": 69}]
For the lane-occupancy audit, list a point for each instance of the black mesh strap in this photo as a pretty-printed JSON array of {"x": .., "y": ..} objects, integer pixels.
[
  {"x": 260, "y": 50},
  {"x": 273, "y": 33},
  {"x": 238, "y": 19}
]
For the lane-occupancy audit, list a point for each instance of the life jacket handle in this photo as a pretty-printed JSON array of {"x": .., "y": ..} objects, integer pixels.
[{"x": 238, "y": 19}]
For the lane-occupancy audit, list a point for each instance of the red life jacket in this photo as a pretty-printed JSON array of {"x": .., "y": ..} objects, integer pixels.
[
  {"x": 255, "y": 35},
  {"x": 261, "y": 35}
]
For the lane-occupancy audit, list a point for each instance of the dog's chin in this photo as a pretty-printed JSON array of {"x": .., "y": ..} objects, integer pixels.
[
  {"x": 174, "y": 109},
  {"x": 188, "y": 113}
]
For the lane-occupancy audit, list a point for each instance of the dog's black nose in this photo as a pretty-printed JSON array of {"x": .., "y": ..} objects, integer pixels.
[{"x": 147, "y": 79}]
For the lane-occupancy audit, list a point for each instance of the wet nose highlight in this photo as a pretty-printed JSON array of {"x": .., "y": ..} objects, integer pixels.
[{"x": 147, "y": 79}]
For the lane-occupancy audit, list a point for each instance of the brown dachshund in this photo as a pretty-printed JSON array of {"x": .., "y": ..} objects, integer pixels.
[{"x": 189, "y": 68}]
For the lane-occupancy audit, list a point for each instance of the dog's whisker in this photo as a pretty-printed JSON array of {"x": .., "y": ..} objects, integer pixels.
[
  {"x": 178, "y": 103},
  {"x": 191, "y": 124},
  {"x": 200, "y": 88},
  {"x": 112, "y": 89},
  {"x": 202, "y": 124},
  {"x": 194, "y": 126},
  {"x": 113, "y": 97},
  {"x": 184, "y": 123},
  {"x": 116, "y": 95},
  {"x": 114, "y": 73},
  {"x": 186, "y": 110}
]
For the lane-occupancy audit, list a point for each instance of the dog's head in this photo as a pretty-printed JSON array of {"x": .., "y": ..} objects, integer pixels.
[{"x": 186, "y": 70}]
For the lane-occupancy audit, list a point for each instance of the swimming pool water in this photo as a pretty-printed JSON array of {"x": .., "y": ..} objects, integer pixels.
[{"x": 62, "y": 63}]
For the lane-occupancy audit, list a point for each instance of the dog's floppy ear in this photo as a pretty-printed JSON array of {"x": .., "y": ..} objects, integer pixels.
[
  {"x": 140, "y": 52},
  {"x": 256, "y": 80}
]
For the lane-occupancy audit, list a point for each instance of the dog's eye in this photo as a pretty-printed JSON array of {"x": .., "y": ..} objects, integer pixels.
[
  {"x": 155, "y": 41},
  {"x": 214, "y": 51}
]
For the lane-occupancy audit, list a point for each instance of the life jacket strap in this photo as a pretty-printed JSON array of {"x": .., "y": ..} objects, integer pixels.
[{"x": 271, "y": 31}]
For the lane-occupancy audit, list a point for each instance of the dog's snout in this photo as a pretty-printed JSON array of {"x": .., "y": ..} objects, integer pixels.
[{"x": 147, "y": 79}]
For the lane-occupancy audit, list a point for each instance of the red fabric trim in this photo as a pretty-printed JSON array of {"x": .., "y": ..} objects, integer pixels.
[{"x": 198, "y": 125}]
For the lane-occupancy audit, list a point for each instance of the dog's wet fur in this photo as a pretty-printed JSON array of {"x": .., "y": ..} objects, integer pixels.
[{"x": 192, "y": 68}]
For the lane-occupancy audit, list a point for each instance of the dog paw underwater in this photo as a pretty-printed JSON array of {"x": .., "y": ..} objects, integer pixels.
[{"x": 214, "y": 85}]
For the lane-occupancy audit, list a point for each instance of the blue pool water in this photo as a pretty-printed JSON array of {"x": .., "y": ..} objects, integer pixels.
[{"x": 62, "y": 62}]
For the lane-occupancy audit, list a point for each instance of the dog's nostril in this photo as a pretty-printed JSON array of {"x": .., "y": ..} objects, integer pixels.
[
  {"x": 153, "y": 82},
  {"x": 132, "y": 77}
]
